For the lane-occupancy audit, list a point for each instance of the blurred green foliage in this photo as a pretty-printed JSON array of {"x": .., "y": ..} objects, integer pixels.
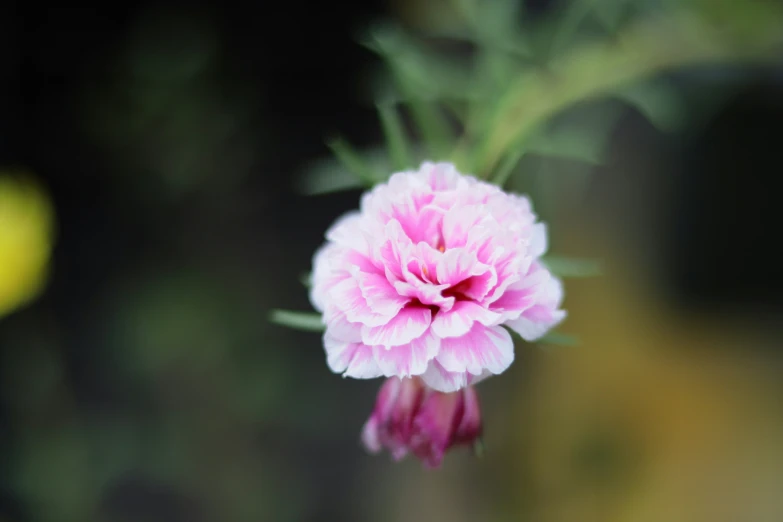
[
  {"x": 166, "y": 85},
  {"x": 484, "y": 85},
  {"x": 509, "y": 91}
]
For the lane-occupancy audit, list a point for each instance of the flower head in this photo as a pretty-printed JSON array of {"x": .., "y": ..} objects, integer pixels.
[
  {"x": 410, "y": 417},
  {"x": 422, "y": 279}
]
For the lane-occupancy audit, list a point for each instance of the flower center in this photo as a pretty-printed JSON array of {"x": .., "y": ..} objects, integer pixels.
[{"x": 459, "y": 290}]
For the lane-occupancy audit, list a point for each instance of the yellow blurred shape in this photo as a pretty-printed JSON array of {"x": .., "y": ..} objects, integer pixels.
[{"x": 26, "y": 236}]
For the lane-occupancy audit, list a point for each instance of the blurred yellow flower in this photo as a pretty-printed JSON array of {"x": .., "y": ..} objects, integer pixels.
[{"x": 26, "y": 237}]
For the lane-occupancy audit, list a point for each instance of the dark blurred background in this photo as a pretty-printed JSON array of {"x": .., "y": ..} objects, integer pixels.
[{"x": 146, "y": 383}]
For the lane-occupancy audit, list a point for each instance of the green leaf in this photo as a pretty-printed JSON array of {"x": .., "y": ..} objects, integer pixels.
[
  {"x": 506, "y": 168},
  {"x": 306, "y": 279},
  {"x": 331, "y": 174},
  {"x": 307, "y": 321},
  {"x": 600, "y": 68},
  {"x": 570, "y": 143},
  {"x": 433, "y": 127},
  {"x": 491, "y": 25},
  {"x": 659, "y": 102},
  {"x": 572, "y": 267},
  {"x": 610, "y": 13},
  {"x": 559, "y": 339},
  {"x": 568, "y": 24},
  {"x": 328, "y": 177},
  {"x": 417, "y": 71},
  {"x": 353, "y": 161},
  {"x": 395, "y": 136},
  {"x": 422, "y": 78}
]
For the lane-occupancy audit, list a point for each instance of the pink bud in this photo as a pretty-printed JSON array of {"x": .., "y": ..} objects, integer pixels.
[
  {"x": 469, "y": 429},
  {"x": 391, "y": 421},
  {"x": 411, "y": 417}
]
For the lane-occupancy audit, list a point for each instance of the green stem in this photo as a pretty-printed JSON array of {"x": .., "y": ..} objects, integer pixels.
[{"x": 590, "y": 71}]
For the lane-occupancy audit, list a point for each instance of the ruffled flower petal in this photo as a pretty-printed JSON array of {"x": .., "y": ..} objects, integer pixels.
[{"x": 423, "y": 279}]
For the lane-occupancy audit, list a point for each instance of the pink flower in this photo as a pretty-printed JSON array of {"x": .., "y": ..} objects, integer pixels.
[
  {"x": 424, "y": 279},
  {"x": 409, "y": 417}
]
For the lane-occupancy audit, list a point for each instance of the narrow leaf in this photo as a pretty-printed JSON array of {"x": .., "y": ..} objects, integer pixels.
[
  {"x": 395, "y": 136},
  {"x": 432, "y": 126},
  {"x": 659, "y": 102},
  {"x": 568, "y": 24},
  {"x": 581, "y": 145},
  {"x": 326, "y": 178},
  {"x": 307, "y": 321},
  {"x": 506, "y": 168},
  {"x": 330, "y": 174},
  {"x": 353, "y": 161},
  {"x": 572, "y": 267},
  {"x": 598, "y": 69}
]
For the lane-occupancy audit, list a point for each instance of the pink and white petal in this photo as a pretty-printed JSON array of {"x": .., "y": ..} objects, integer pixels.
[
  {"x": 459, "y": 221},
  {"x": 553, "y": 292},
  {"x": 407, "y": 360},
  {"x": 373, "y": 432},
  {"x": 535, "y": 322},
  {"x": 410, "y": 323},
  {"x": 550, "y": 287},
  {"x": 470, "y": 425},
  {"x": 379, "y": 294},
  {"x": 371, "y": 436},
  {"x": 539, "y": 241},
  {"x": 395, "y": 433},
  {"x": 510, "y": 270},
  {"x": 376, "y": 203},
  {"x": 420, "y": 220},
  {"x": 347, "y": 297},
  {"x": 435, "y": 425},
  {"x": 404, "y": 182},
  {"x": 459, "y": 320},
  {"x": 339, "y": 327},
  {"x": 364, "y": 262},
  {"x": 442, "y": 380},
  {"x": 387, "y": 399},
  {"x": 426, "y": 257},
  {"x": 351, "y": 359},
  {"x": 542, "y": 317},
  {"x": 393, "y": 250},
  {"x": 521, "y": 294},
  {"x": 455, "y": 266},
  {"x": 440, "y": 176},
  {"x": 427, "y": 294},
  {"x": 363, "y": 364},
  {"x": 347, "y": 231},
  {"x": 482, "y": 240},
  {"x": 324, "y": 274},
  {"x": 479, "y": 285},
  {"x": 482, "y": 348},
  {"x": 430, "y": 224}
]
